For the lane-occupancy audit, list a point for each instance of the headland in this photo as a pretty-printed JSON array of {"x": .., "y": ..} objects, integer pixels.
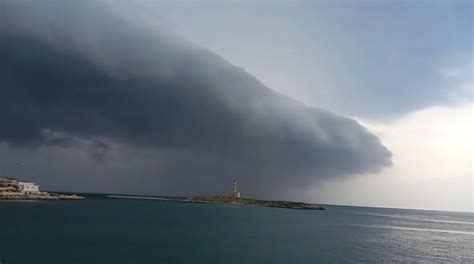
[
  {"x": 230, "y": 200},
  {"x": 235, "y": 199},
  {"x": 12, "y": 189}
]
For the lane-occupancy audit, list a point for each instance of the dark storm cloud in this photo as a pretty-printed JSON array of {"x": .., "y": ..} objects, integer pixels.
[{"x": 93, "y": 75}]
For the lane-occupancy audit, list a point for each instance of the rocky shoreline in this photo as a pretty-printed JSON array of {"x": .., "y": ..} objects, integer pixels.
[
  {"x": 229, "y": 200},
  {"x": 39, "y": 196}
]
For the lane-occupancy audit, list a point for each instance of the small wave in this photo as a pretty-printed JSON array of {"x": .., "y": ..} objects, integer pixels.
[
  {"x": 417, "y": 229},
  {"x": 416, "y": 218}
]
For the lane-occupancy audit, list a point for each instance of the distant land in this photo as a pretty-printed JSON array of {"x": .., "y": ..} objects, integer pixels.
[
  {"x": 234, "y": 198},
  {"x": 12, "y": 189},
  {"x": 229, "y": 200}
]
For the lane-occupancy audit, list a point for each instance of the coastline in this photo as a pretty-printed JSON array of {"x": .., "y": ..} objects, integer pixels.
[
  {"x": 43, "y": 196},
  {"x": 229, "y": 200},
  {"x": 12, "y": 189}
]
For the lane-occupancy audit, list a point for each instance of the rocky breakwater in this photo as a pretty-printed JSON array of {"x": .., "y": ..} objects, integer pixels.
[
  {"x": 11, "y": 189},
  {"x": 229, "y": 200}
]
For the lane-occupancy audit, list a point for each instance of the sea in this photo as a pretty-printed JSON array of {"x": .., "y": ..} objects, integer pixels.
[{"x": 106, "y": 230}]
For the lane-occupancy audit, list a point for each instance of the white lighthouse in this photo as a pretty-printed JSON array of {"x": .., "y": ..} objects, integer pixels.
[{"x": 235, "y": 192}]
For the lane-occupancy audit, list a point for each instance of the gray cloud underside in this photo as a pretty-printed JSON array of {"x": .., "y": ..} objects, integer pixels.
[{"x": 179, "y": 116}]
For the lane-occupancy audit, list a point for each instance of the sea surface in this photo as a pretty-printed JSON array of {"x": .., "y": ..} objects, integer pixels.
[{"x": 160, "y": 231}]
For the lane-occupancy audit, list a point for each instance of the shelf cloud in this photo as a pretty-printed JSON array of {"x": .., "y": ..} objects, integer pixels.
[{"x": 118, "y": 85}]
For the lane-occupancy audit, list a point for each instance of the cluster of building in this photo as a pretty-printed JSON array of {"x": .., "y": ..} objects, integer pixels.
[{"x": 12, "y": 185}]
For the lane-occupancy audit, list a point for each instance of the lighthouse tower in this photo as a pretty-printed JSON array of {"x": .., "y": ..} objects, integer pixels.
[{"x": 235, "y": 192}]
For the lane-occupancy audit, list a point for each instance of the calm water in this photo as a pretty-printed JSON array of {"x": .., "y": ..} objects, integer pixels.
[{"x": 140, "y": 231}]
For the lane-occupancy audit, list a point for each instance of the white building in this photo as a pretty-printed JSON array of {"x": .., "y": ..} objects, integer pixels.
[
  {"x": 235, "y": 191},
  {"x": 28, "y": 187}
]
